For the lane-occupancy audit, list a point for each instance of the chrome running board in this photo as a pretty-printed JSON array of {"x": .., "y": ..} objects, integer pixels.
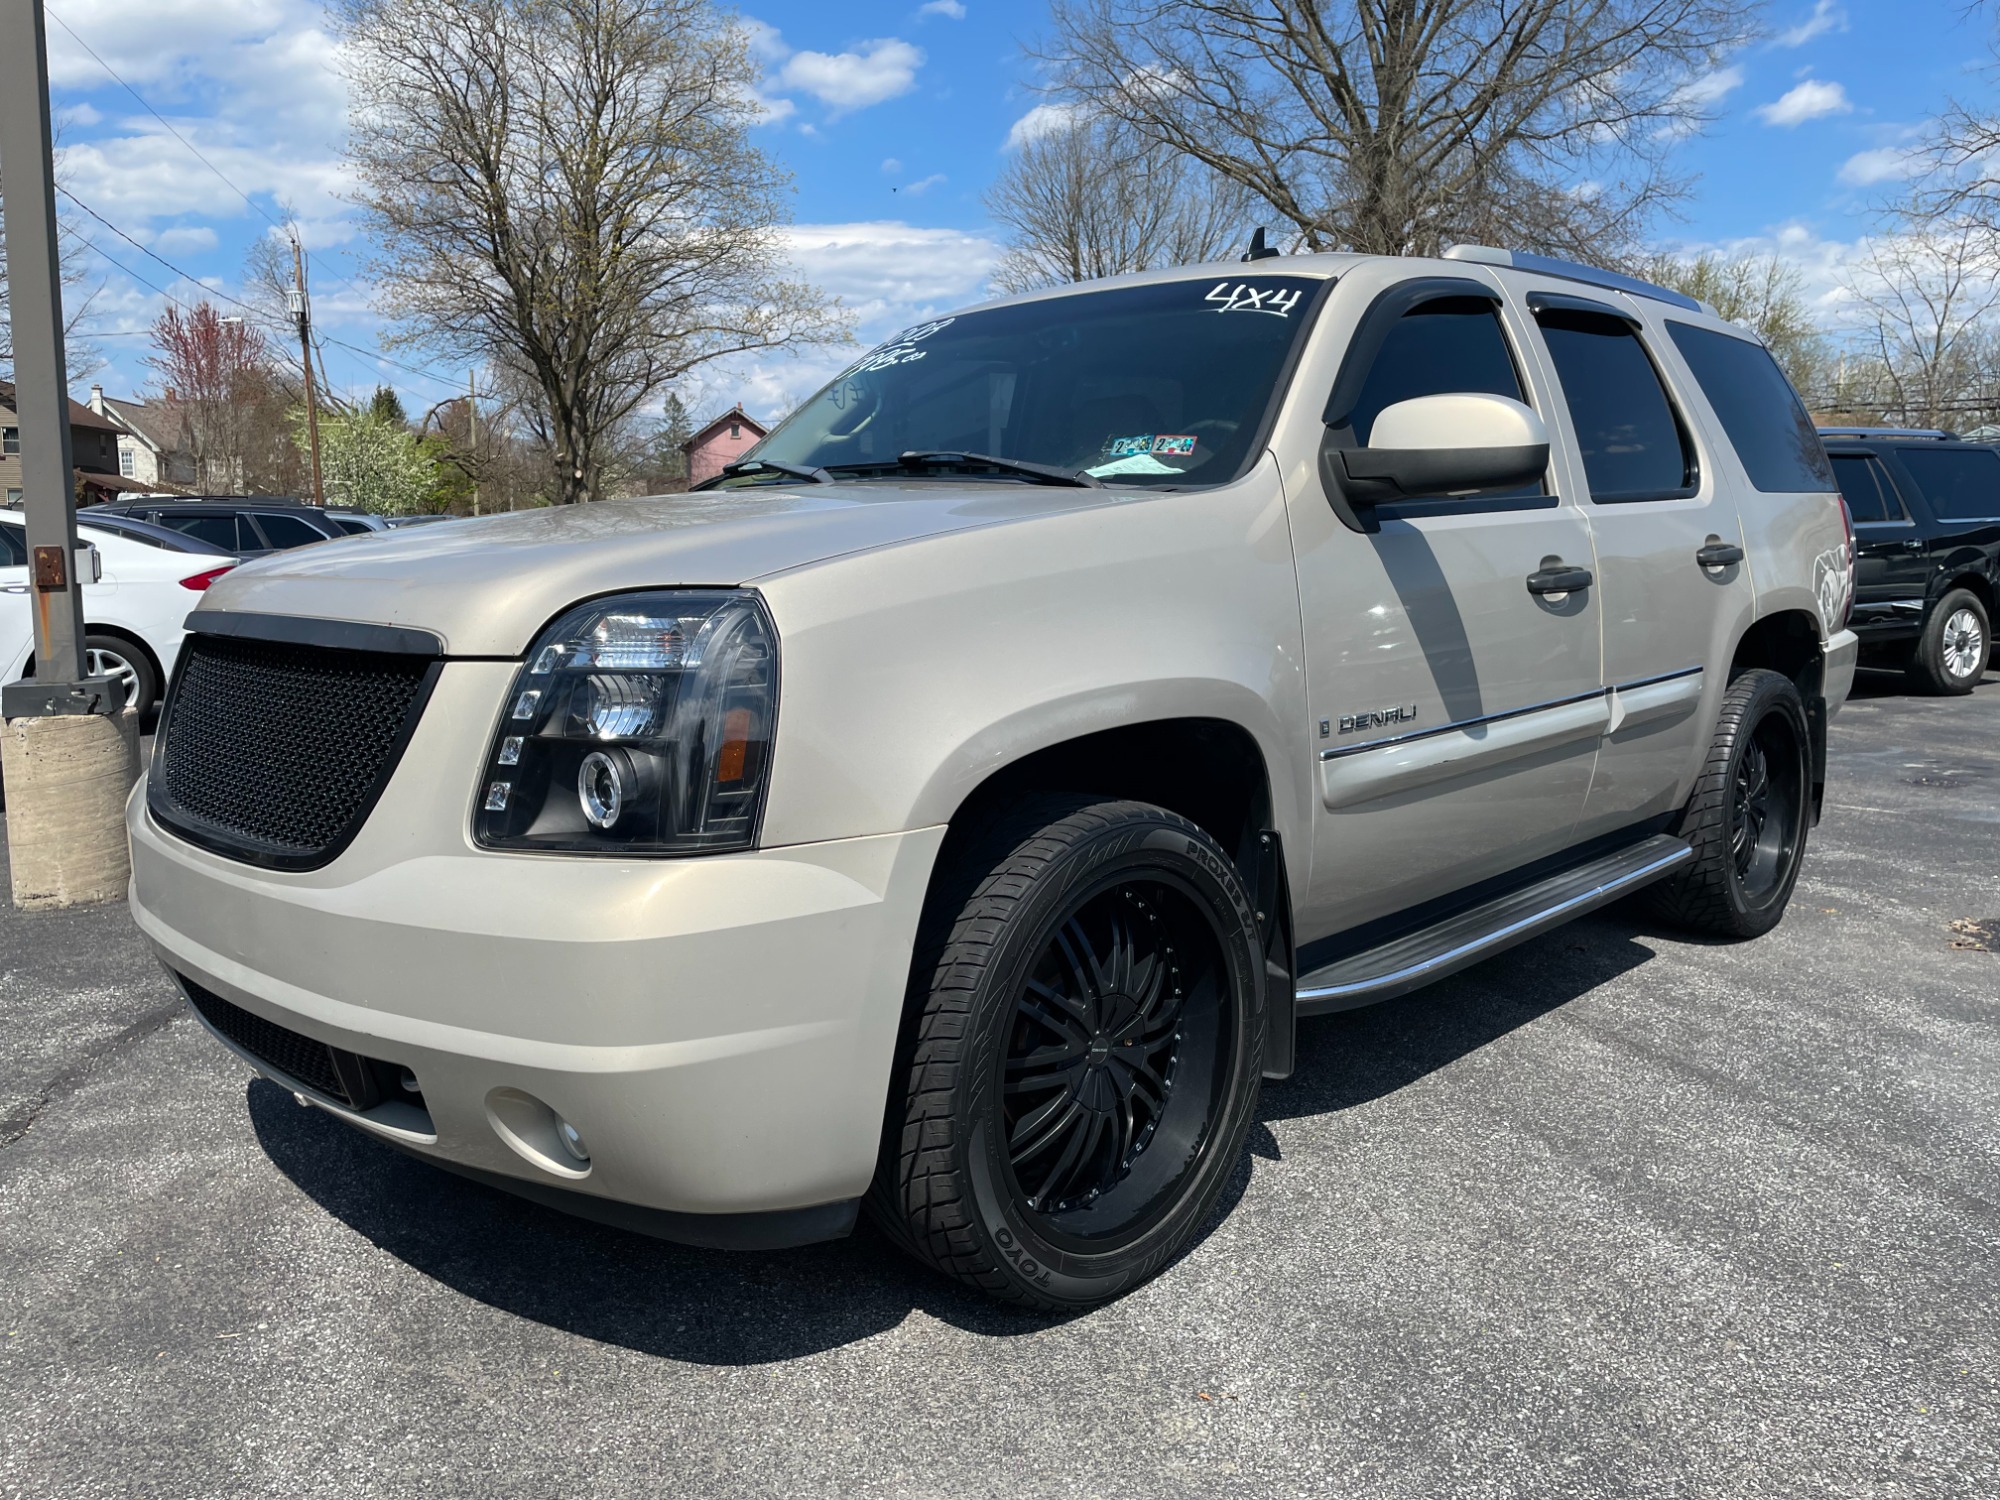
[{"x": 1416, "y": 959}]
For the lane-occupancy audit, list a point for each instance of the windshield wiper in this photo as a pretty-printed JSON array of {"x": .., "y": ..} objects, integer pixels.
[
  {"x": 921, "y": 458},
  {"x": 748, "y": 466}
]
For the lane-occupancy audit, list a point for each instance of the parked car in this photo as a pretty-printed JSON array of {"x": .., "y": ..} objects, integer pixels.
[
  {"x": 92, "y": 520},
  {"x": 246, "y": 526},
  {"x": 1926, "y": 510},
  {"x": 956, "y": 805},
  {"x": 133, "y": 616},
  {"x": 355, "y": 522}
]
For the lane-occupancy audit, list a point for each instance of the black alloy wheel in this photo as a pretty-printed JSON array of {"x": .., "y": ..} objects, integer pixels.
[
  {"x": 1747, "y": 817},
  {"x": 1081, "y": 1056}
]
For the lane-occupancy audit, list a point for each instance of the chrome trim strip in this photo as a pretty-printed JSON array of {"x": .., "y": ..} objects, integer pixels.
[
  {"x": 1500, "y": 935},
  {"x": 1337, "y": 751}
]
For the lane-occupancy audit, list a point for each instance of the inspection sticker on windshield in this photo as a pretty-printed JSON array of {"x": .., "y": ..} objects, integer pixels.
[
  {"x": 1125, "y": 447},
  {"x": 1177, "y": 444},
  {"x": 1243, "y": 297}
]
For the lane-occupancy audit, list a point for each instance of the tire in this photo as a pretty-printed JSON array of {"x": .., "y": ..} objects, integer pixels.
[
  {"x": 1050, "y": 1140},
  {"x": 114, "y": 656},
  {"x": 1748, "y": 815},
  {"x": 1950, "y": 656}
]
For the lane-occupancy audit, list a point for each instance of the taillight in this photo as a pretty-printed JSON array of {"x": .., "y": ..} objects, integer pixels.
[
  {"x": 200, "y": 581},
  {"x": 1853, "y": 558}
]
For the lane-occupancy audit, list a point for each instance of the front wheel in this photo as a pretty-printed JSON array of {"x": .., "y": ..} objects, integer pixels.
[
  {"x": 1081, "y": 1061},
  {"x": 1748, "y": 815},
  {"x": 1950, "y": 656}
]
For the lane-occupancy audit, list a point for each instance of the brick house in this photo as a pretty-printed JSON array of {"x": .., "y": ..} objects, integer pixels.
[
  {"x": 93, "y": 449},
  {"x": 721, "y": 442}
]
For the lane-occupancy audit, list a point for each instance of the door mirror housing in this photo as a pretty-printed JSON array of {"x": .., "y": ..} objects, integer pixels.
[{"x": 1441, "y": 445}]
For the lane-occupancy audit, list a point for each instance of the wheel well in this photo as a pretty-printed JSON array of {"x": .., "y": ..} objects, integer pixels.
[
  {"x": 1976, "y": 585},
  {"x": 117, "y": 632},
  {"x": 1786, "y": 642},
  {"x": 1210, "y": 771}
]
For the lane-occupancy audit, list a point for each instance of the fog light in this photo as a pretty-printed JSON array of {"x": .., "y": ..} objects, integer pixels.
[
  {"x": 600, "y": 786},
  {"x": 572, "y": 1142}
]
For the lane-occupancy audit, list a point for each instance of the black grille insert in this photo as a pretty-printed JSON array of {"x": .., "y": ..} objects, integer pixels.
[
  {"x": 274, "y": 752},
  {"x": 299, "y": 1057}
]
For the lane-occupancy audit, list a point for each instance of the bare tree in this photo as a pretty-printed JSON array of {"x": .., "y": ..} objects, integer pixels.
[
  {"x": 1762, "y": 292},
  {"x": 1926, "y": 356},
  {"x": 222, "y": 395},
  {"x": 567, "y": 188},
  {"x": 1401, "y": 126},
  {"x": 1094, "y": 197},
  {"x": 81, "y": 358}
]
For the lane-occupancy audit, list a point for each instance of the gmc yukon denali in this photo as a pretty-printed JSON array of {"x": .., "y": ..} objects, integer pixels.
[{"x": 955, "y": 808}]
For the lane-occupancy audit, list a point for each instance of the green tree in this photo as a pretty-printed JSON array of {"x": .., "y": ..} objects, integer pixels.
[
  {"x": 388, "y": 406},
  {"x": 372, "y": 464}
]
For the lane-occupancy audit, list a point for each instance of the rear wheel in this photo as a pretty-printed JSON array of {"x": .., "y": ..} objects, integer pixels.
[
  {"x": 1081, "y": 1062},
  {"x": 125, "y": 664},
  {"x": 1950, "y": 656},
  {"x": 1748, "y": 815}
]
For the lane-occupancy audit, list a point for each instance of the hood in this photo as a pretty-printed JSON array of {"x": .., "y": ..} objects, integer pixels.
[{"x": 487, "y": 585}]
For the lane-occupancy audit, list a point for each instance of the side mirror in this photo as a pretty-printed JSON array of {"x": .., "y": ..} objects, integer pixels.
[{"x": 1442, "y": 445}]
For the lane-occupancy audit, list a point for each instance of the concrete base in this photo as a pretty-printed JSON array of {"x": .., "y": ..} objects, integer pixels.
[{"x": 67, "y": 778}]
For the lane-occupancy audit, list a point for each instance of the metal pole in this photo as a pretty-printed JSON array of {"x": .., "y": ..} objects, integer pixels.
[
  {"x": 302, "y": 310},
  {"x": 41, "y": 382}
]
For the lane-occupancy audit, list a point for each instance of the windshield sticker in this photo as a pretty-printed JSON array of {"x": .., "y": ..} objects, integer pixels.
[
  {"x": 1126, "y": 446},
  {"x": 1243, "y": 297},
  {"x": 1133, "y": 463},
  {"x": 1175, "y": 444},
  {"x": 900, "y": 350}
]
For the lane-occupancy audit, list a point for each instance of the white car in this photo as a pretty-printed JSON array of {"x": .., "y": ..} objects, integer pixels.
[{"x": 133, "y": 615}]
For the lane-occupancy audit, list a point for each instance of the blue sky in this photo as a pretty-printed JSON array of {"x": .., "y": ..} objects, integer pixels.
[{"x": 892, "y": 118}]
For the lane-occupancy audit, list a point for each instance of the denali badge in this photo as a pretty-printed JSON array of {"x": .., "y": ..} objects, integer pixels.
[{"x": 1376, "y": 718}]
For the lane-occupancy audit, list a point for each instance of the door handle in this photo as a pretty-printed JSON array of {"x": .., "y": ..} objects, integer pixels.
[
  {"x": 1555, "y": 576},
  {"x": 1719, "y": 554}
]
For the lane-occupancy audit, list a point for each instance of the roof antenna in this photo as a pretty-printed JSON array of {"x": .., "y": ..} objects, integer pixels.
[{"x": 1258, "y": 249}]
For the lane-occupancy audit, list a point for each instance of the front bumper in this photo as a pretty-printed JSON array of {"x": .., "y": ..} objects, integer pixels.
[{"x": 718, "y": 1030}]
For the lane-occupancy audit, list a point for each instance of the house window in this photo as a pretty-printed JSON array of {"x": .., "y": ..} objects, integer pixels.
[
  {"x": 13, "y": 499},
  {"x": 10, "y": 440},
  {"x": 735, "y": 430},
  {"x": 128, "y": 463}
]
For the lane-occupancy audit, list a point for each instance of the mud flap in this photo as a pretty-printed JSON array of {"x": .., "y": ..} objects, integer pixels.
[{"x": 1273, "y": 896}]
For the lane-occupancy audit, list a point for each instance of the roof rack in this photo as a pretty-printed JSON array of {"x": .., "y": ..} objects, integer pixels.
[
  {"x": 1935, "y": 434},
  {"x": 1569, "y": 270}
]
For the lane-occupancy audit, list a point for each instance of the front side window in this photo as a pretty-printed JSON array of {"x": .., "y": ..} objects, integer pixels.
[
  {"x": 217, "y": 531},
  {"x": 1632, "y": 442},
  {"x": 1962, "y": 484},
  {"x": 1164, "y": 385},
  {"x": 13, "y": 550},
  {"x": 1866, "y": 489}
]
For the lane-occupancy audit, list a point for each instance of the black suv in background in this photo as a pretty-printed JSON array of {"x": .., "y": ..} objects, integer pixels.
[
  {"x": 1926, "y": 509},
  {"x": 240, "y": 524}
]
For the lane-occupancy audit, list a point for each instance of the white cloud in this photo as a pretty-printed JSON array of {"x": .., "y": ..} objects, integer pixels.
[
  {"x": 183, "y": 238},
  {"x": 1042, "y": 120},
  {"x": 876, "y": 71},
  {"x": 923, "y": 184},
  {"x": 1811, "y": 100},
  {"x": 953, "y": 9},
  {"x": 891, "y": 166},
  {"x": 1711, "y": 88},
  {"x": 1826, "y": 16},
  {"x": 1883, "y": 164}
]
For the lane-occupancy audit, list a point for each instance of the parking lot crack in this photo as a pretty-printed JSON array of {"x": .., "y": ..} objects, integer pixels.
[{"x": 17, "y": 1124}]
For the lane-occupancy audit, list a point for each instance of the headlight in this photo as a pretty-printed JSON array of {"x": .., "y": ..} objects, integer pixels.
[{"x": 640, "y": 724}]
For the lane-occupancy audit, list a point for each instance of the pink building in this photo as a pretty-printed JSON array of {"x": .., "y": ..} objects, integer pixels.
[{"x": 722, "y": 441}]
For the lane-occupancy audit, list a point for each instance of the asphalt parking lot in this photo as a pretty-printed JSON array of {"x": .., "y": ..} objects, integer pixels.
[{"x": 1618, "y": 1214}]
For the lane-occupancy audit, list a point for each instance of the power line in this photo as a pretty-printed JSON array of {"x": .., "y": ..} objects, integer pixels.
[{"x": 154, "y": 255}]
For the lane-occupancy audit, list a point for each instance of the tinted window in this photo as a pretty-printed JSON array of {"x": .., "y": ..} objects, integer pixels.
[
  {"x": 1960, "y": 483},
  {"x": 352, "y": 528},
  {"x": 218, "y": 531},
  {"x": 1435, "y": 349},
  {"x": 13, "y": 551},
  {"x": 1865, "y": 488},
  {"x": 1632, "y": 443},
  {"x": 1758, "y": 408},
  {"x": 288, "y": 531}
]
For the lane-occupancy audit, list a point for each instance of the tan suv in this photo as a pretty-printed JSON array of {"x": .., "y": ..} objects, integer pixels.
[{"x": 955, "y": 806}]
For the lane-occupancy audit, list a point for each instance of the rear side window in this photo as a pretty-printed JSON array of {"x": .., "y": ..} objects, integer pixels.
[
  {"x": 1962, "y": 484},
  {"x": 352, "y": 528},
  {"x": 288, "y": 531},
  {"x": 1633, "y": 445},
  {"x": 1767, "y": 425},
  {"x": 1438, "y": 348},
  {"x": 13, "y": 551},
  {"x": 219, "y": 531},
  {"x": 1866, "y": 489}
]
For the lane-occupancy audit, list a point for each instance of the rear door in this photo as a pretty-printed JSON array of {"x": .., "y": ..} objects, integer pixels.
[
  {"x": 1892, "y": 566},
  {"x": 1672, "y": 578}
]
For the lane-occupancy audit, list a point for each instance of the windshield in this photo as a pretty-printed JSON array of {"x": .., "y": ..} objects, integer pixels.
[{"x": 1148, "y": 385}]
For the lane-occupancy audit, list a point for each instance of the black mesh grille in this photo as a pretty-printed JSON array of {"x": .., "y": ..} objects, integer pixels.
[
  {"x": 299, "y": 1057},
  {"x": 275, "y": 752}
]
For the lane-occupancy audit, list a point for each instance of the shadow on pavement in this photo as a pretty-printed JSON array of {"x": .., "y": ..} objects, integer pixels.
[{"x": 736, "y": 1308}]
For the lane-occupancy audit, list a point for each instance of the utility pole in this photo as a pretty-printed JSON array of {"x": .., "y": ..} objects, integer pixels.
[
  {"x": 472, "y": 426},
  {"x": 302, "y": 315},
  {"x": 70, "y": 750}
]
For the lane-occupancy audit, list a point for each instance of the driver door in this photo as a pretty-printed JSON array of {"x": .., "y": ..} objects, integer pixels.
[{"x": 1455, "y": 712}]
